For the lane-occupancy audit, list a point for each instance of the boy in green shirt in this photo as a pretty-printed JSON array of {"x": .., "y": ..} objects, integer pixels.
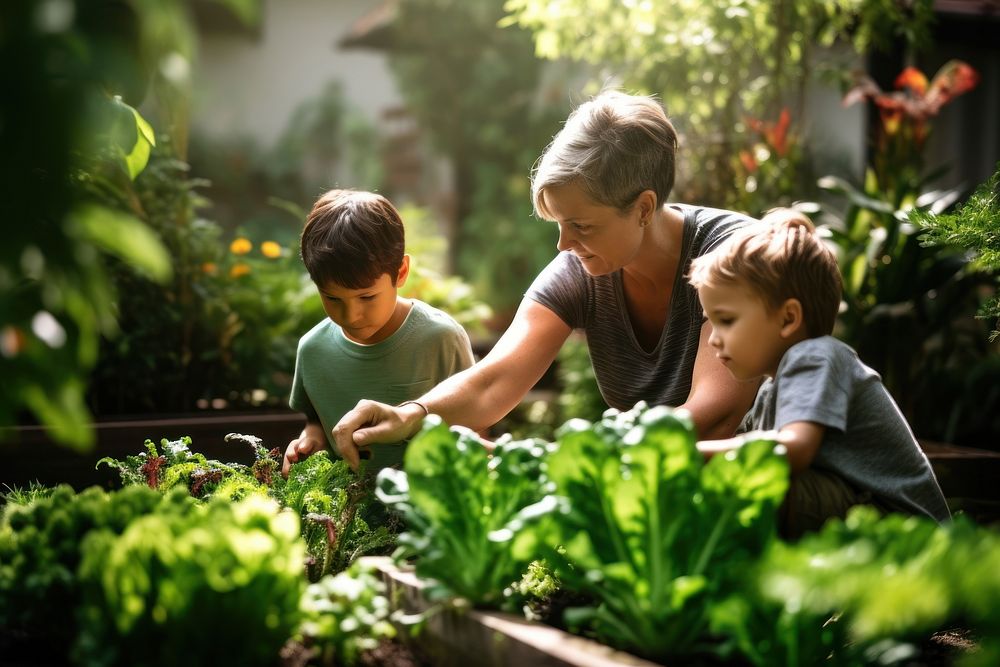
[{"x": 375, "y": 344}]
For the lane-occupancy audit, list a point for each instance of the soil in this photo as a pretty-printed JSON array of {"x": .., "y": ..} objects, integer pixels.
[
  {"x": 388, "y": 653},
  {"x": 944, "y": 648},
  {"x": 394, "y": 653}
]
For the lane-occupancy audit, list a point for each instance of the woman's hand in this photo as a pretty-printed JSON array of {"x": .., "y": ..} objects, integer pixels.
[{"x": 371, "y": 423}]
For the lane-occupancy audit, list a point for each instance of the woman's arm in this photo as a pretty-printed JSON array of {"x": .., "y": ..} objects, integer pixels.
[
  {"x": 717, "y": 401},
  {"x": 478, "y": 397}
]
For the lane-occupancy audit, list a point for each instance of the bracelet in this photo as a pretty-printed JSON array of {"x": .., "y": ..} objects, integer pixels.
[{"x": 417, "y": 403}]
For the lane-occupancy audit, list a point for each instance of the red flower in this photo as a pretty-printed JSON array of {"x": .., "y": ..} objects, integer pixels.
[
  {"x": 775, "y": 134},
  {"x": 914, "y": 98},
  {"x": 748, "y": 161}
]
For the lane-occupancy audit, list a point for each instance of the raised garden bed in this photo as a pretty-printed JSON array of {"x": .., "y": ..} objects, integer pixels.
[
  {"x": 29, "y": 453},
  {"x": 969, "y": 477},
  {"x": 491, "y": 638}
]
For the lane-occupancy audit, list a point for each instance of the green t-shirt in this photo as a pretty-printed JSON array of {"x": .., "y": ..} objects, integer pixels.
[{"x": 333, "y": 373}]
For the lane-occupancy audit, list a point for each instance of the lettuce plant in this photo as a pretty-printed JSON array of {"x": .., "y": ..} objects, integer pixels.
[
  {"x": 650, "y": 531},
  {"x": 40, "y": 551},
  {"x": 467, "y": 512},
  {"x": 346, "y": 614},
  {"x": 220, "y": 584},
  {"x": 888, "y": 582}
]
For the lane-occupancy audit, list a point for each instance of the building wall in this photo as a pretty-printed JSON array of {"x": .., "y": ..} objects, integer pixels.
[{"x": 250, "y": 83}]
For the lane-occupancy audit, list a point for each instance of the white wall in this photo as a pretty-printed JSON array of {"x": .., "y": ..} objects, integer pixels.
[
  {"x": 250, "y": 85},
  {"x": 835, "y": 134}
]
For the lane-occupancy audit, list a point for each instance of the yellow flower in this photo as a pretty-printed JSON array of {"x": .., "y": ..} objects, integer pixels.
[
  {"x": 270, "y": 249},
  {"x": 239, "y": 269},
  {"x": 240, "y": 246}
]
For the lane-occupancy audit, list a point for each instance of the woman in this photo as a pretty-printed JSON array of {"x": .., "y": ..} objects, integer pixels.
[{"x": 619, "y": 277}]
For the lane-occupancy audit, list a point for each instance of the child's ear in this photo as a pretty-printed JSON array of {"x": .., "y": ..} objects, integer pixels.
[
  {"x": 404, "y": 272},
  {"x": 791, "y": 318}
]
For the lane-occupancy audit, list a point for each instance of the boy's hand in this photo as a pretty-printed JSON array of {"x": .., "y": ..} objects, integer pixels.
[{"x": 301, "y": 447}]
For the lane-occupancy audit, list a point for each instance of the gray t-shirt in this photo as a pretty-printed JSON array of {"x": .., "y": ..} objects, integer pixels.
[
  {"x": 867, "y": 440},
  {"x": 333, "y": 373},
  {"x": 626, "y": 373}
]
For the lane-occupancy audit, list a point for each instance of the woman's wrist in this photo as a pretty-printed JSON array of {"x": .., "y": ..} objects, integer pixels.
[{"x": 413, "y": 415}]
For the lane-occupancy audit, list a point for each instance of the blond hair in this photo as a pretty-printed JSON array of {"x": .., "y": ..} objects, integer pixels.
[
  {"x": 778, "y": 259},
  {"x": 614, "y": 147}
]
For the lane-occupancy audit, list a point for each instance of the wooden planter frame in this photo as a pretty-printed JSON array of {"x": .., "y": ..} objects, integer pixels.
[{"x": 453, "y": 637}]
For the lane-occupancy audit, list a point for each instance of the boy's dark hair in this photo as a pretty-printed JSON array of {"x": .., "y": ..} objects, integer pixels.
[{"x": 351, "y": 238}]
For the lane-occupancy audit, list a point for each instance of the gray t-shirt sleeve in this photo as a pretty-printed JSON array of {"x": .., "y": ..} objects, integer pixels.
[
  {"x": 562, "y": 287},
  {"x": 812, "y": 388}
]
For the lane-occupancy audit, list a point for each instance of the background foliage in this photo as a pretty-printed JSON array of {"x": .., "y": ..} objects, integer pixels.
[
  {"x": 479, "y": 93},
  {"x": 719, "y": 67},
  {"x": 70, "y": 71}
]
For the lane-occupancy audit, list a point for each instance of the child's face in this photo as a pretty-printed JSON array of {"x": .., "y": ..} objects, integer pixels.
[
  {"x": 368, "y": 315},
  {"x": 747, "y": 336}
]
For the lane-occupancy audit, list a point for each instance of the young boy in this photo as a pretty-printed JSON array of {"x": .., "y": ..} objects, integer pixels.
[
  {"x": 771, "y": 294},
  {"x": 375, "y": 344}
]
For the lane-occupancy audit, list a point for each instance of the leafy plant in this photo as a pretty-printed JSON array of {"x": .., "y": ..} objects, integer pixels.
[
  {"x": 229, "y": 322},
  {"x": 883, "y": 583},
  {"x": 904, "y": 120},
  {"x": 908, "y": 307},
  {"x": 466, "y": 513},
  {"x": 974, "y": 225},
  {"x": 345, "y": 614},
  {"x": 221, "y": 584},
  {"x": 771, "y": 167},
  {"x": 73, "y": 73},
  {"x": 17, "y": 495},
  {"x": 338, "y": 517},
  {"x": 40, "y": 551},
  {"x": 650, "y": 531},
  {"x": 336, "y": 506}
]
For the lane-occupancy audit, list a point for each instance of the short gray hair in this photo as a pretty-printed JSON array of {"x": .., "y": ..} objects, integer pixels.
[{"x": 614, "y": 146}]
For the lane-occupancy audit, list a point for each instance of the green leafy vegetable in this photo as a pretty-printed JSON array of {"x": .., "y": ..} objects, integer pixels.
[
  {"x": 346, "y": 614},
  {"x": 650, "y": 531},
  {"x": 220, "y": 584},
  {"x": 889, "y": 581},
  {"x": 339, "y": 518},
  {"x": 466, "y": 513},
  {"x": 333, "y": 503},
  {"x": 40, "y": 551}
]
